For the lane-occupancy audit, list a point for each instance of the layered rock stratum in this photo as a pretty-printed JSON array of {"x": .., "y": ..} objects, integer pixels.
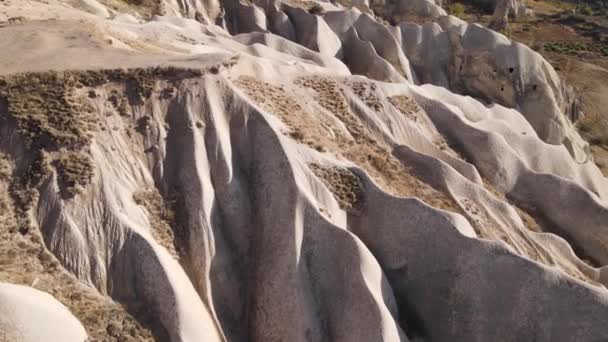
[{"x": 290, "y": 171}]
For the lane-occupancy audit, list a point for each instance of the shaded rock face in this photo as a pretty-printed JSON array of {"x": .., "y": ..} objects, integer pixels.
[{"x": 259, "y": 191}]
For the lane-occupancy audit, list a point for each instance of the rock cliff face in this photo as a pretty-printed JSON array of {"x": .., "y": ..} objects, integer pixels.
[{"x": 298, "y": 177}]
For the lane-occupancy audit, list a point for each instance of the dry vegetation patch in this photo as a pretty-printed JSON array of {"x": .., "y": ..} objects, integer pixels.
[
  {"x": 600, "y": 155},
  {"x": 344, "y": 185},
  {"x": 330, "y": 96},
  {"x": 303, "y": 127},
  {"x": 406, "y": 105},
  {"x": 52, "y": 117},
  {"x": 25, "y": 260},
  {"x": 365, "y": 151},
  {"x": 140, "y": 82},
  {"x": 48, "y": 113},
  {"x": 366, "y": 92},
  {"x": 577, "y": 47},
  {"x": 75, "y": 171},
  {"x": 160, "y": 215}
]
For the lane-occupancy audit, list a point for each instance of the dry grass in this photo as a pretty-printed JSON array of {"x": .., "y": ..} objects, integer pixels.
[
  {"x": 47, "y": 111},
  {"x": 120, "y": 103},
  {"x": 345, "y": 186},
  {"x": 161, "y": 217},
  {"x": 140, "y": 82},
  {"x": 407, "y": 106},
  {"x": 51, "y": 117},
  {"x": 329, "y": 95},
  {"x": 577, "y": 48},
  {"x": 75, "y": 171},
  {"x": 456, "y": 9},
  {"x": 594, "y": 131},
  {"x": 23, "y": 184},
  {"x": 274, "y": 99},
  {"x": 600, "y": 155},
  {"x": 366, "y": 92},
  {"x": 361, "y": 147}
]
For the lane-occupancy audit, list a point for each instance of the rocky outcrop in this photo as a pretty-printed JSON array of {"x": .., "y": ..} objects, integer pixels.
[
  {"x": 486, "y": 65},
  {"x": 29, "y": 315},
  {"x": 474, "y": 61},
  {"x": 233, "y": 179}
]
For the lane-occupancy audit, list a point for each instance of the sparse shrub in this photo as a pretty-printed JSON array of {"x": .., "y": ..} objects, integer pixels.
[
  {"x": 602, "y": 140},
  {"x": 506, "y": 32},
  {"x": 316, "y": 9},
  {"x": 46, "y": 110},
  {"x": 51, "y": 117},
  {"x": 120, "y": 103},
  {"x": 75, "y": 171},
  {"x": 484, "y": 6},
  {"x": 161, "y": 217},
  {"x": 5, "y": 167},
  {"x": 456, "y": 9},
  {"x": 143, "y": 124},
  {"x": 585, "y": 127},
  {"x": 585, "y": 9}
]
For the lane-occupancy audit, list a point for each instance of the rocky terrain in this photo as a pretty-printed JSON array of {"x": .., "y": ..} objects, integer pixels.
[
  {"x": 573, "y": 37},
  {"x": 188, "y": 170}
]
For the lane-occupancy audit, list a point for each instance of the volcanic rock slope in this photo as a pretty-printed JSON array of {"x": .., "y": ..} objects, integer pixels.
[{"x": 267, "y": 174}]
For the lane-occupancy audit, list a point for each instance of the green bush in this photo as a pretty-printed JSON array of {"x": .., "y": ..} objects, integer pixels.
[
  {"x": 456, "y": 9},
  {"x": 586, "y": 10}
]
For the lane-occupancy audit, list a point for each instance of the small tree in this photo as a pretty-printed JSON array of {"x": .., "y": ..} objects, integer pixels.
[{"x": 316, "y": 9}]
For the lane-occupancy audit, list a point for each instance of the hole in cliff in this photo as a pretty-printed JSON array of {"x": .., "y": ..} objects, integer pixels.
[
  {"x": 534, "y": 87},
  {"x": 502, "y": 88},
  {"x": 511, "y": 70}
]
